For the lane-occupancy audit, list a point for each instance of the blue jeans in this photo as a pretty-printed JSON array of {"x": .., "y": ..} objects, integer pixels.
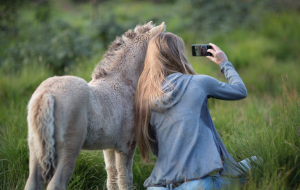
[
  {"x": 216, "y": 181},
  {"x": 209, "y": 182}
]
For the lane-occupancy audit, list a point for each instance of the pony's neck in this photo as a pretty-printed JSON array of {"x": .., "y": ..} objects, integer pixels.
[
  {"x": 125, "y": 71},
  {"x": 128, "y": 73},
  {"x": 125, "y": 66}
]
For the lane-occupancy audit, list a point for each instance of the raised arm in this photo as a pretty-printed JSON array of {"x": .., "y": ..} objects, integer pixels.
[{"x": 234, "y": 89}]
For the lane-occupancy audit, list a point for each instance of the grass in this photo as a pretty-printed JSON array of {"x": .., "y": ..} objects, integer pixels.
[{"x": 265, "y": 124}]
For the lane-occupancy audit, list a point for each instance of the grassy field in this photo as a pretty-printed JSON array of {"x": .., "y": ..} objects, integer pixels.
[{"x": 265, "y": 124}]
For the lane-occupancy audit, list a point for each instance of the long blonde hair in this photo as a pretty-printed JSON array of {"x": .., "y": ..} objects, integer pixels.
[{"x": 165, "y": 55}]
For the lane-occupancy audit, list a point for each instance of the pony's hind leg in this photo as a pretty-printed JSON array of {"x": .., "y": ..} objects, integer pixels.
[
  {"x": 68, "y": 150},
  {"x": 66, "y": 160},
  {"x": 34, "y": 181},
  {"x": 111, "y": 170}
]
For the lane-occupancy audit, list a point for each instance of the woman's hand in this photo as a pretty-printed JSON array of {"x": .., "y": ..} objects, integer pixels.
[{"x": 219, "y": 55}]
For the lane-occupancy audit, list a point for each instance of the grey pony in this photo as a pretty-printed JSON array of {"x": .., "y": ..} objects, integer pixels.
[{"x": 67, "y": 114}]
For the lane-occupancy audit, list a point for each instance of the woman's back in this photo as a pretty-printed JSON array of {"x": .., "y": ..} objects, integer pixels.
[
  {"x": 173, "y": 120},
  {"x": 188, "y": 145}
]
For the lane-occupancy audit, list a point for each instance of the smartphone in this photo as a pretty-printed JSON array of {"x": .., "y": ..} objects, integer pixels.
[{"x": 201, "y": 50}]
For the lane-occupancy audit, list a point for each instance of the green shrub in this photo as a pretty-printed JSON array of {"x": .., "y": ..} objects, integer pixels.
[
  {"x": 43, "y": 11},
  {"x": 9, "y": 16},
  {"x": 283, "y": 31},
  {"x": 57, "y": 46},
  {"x": 107, "y": 28},
  {"x": 216, "y": 16}
]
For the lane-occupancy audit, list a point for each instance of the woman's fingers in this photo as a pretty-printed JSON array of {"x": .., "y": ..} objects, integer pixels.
[
  {"x": 211, "y": 58},
  {"x": 216, "y": 48},
  {"x": 218, "y": 55},
  {"x": 212, "y": 52}
]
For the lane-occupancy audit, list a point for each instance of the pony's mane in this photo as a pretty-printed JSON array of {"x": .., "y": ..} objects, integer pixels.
[{"x": 117, "y": 49}]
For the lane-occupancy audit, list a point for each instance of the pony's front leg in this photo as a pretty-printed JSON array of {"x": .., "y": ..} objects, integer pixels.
[
  {"x": 124, "y": 167},
  {"x": 111, "y": 170},
  {"x": 34, "y": 181}
]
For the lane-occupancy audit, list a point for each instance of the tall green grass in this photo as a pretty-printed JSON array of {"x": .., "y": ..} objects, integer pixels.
[
  {"x": 264, "y": 126},
  {"x": 267, "y": 128}
]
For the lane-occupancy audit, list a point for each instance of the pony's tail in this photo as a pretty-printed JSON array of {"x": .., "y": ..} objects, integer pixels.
[{"x": 41, "y": 132}]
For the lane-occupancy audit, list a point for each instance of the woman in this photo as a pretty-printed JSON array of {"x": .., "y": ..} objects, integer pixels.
[{"x": 173, "y": 120}]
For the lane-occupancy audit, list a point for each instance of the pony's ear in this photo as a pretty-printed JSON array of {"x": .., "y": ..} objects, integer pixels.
[
  {"x": 130, "y": 34},
  {"x": 150, "y": 24},
  {"x": 157, "y": 29}
]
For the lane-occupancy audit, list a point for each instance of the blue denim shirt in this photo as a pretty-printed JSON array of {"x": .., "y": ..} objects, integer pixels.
[{"x": 187, "y": 145}]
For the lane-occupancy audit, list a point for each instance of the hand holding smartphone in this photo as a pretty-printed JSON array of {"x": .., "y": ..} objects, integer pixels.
[
  {"x": 201, "y": 49},
  {"x": 211, "y": 51}
]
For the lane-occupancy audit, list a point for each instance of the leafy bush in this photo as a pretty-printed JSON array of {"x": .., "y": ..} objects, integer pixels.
[
  {"x": 216, "y": 16},
  {"x": 282, "y": 6},
  {"x": 56, "y": 45},
  {"x": 43, "y": 11},
  {"x": 107, "y": 28},
  {"x": 9, "y": 17},
  {"x": 283, "y": 30},
  {"x": 206, "y": 18}
]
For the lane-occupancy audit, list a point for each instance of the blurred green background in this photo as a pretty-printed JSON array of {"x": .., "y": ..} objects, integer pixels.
[{"x": 40, "y": 39}]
